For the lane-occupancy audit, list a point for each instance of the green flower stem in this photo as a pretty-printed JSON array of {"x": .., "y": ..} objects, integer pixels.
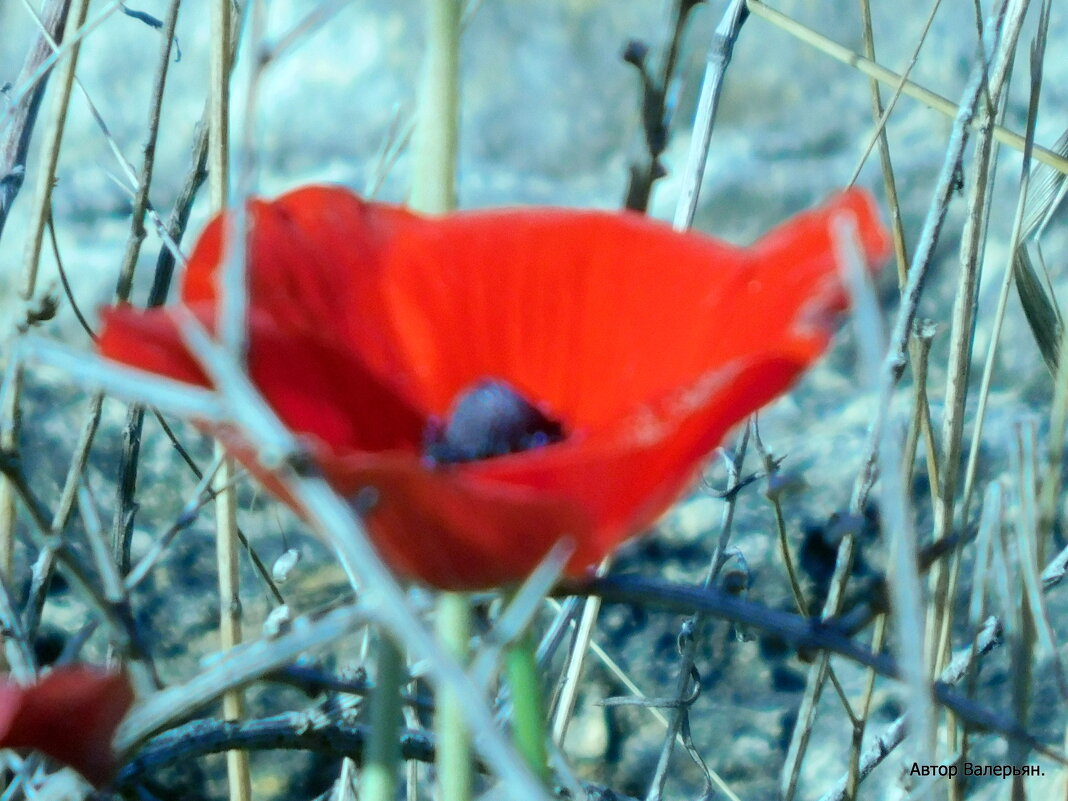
[
  {"x": 528, "y": 706},
  {"x": 383, "y": 750},
  {"x": 453, "y": 757}
]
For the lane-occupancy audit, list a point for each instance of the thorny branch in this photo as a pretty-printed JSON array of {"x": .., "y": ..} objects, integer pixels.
[
  {"x": 804, "y": 633},
  {"x": 311, "y": 730}
]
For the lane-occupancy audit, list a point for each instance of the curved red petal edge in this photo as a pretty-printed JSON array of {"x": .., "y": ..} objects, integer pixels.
[
  {"x": 148, "y": 340},
  {"x": 648, "y": 344},
  {"x": 71, "y": 715},
  {"x": 315, "y": 387},
  {"x": 489, "y": 523}
]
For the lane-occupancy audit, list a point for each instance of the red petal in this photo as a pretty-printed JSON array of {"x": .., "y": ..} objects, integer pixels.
[
  {"x": 306, "y": 250},
  {"x": 318, "y": 388},
  {"x": 798, "y": 257},
  {"x": 150, "y": 341},
  {"x": 313, "y": 385},
  {"x": 588, "y": 312},
  {"x": 636, "y": 447},
  {"x": 647, "y": 343},
  {"x": 626, "y": 476},
  {"x": 578, "y": 310},
  {"x": 71, "y": 715}
]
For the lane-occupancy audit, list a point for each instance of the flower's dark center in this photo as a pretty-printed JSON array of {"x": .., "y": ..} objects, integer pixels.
[{"x": 488, "y": 419}]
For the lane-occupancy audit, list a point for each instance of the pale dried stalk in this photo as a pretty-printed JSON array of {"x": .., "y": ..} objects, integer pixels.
[
  {"x": 9, "y": 411},
  {"x": 435, "y": 144},
  {"x": 1050, "y": 489},
  {"x": 906, "y": 590},
  {"x": 436, "y": 134},
  {"x": 883, "y": 75},
  {"x": 964, "y": 309},
  {"x": 15, "y": 146},
  {"x": 565, "y": 705},
  {"x": 920, "y": 342},
  {"x": 237, "y": 768},
  {"x": 89, "y": 370},
  {"x": 892, "y": 368},
  {"x": 235, "y": 668},
  {"x": 719, "y": 55},
  {"x": 29, "y": 83},
  {"x": 50, "y": 147}
]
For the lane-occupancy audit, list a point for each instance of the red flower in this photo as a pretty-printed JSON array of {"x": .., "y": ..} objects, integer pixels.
[
  {"x": 611, "y": 353},
  {"x": 70, "y": 714}
]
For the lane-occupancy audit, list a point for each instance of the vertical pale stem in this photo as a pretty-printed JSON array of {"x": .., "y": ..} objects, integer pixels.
[
  {"x": 437, "y": 127},
  {"x": 435, "y": 142},
  {"x": 9, "y": 435},
  {"x": 719, "y": 56},
  {"x": 566, "y": 705},
  {"x": 219, "y": 108},
  {"x": 237, "y": 767},
  {"x": 454, "y": 747},
  {"x": 227, "y": 556}
]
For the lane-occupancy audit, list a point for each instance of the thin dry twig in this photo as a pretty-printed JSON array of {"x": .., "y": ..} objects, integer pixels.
[
  {"x": 987, "y": 638},
  {"x": 904, "y": 572},
  {"x": 883, "y": 75},
  {"x": 23, "y": 113},
  {"x": 689, "y": 637},
  {"x": 962, "y": 329},
  {"x": 892, "y": 368},
  {"x": 27, "y": 84},
  {"x": 895, "y": 361},
  {"x": 232, "y": 302},
  {"x": 719, "y": 58},
  {"x": 657, "y": 106}
]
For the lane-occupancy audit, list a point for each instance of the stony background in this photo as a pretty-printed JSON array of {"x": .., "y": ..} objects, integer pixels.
[{"x": 550, "y": 117}]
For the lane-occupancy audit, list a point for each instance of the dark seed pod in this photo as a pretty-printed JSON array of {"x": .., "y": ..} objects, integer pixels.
[{"x": 489, "y": 419}]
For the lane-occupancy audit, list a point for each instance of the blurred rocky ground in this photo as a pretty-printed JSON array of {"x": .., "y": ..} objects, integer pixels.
[{"x": 550, "y": 115}]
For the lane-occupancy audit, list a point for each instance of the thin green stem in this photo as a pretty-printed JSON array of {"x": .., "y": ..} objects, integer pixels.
[
  {"x": 383, "y": 750},
  {"x": 528, "y": 707}
]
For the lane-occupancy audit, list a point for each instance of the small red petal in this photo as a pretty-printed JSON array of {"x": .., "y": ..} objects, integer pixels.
[
  {"x": 71, "y": 715},
  {"x": 150, "y": 341}
]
